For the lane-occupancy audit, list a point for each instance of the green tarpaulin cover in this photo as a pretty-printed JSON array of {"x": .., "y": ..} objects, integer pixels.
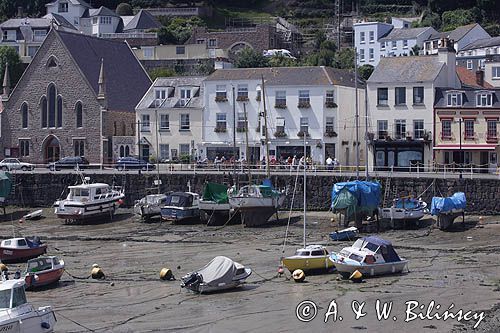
[
  {"x": 5, "y": 184},
  {"x": 215, "y": 192}
]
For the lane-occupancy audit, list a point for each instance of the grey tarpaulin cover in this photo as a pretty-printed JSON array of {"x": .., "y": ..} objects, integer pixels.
[{"x": 220, "y": 270}]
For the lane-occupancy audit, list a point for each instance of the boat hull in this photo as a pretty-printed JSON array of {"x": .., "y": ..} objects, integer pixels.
[
  {"x": 307, "y": 263},
  {"x": 400, "y": 214},
  {"x": 213, "y": 213},
  {"x": 371, "y": 269},
  {"x": 445, "y": 220},
  {"x": 30, "y": 320},
  {"x": 343, "y": 235},
  {"x": 180, "y": 215},
  {"x": 43, "y": 278},
  {"x": 12, "y": 256},
  {"x": 147, "y": 211},
  {"x": 66, "y": 209},
  {"x": 256, "y": 211}
]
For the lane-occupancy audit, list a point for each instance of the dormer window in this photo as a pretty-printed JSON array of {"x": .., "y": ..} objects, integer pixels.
[
  {"x": 454, "y": 99},
  {"x": 483, "y": 99},
  {"x": 63, "y": 7},
  {"x": 160, "y": 96},
  {"x": 185, "y": 96}
]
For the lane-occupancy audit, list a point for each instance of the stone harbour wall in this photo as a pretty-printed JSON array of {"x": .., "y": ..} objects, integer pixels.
[{"x": 35, "y": 190}]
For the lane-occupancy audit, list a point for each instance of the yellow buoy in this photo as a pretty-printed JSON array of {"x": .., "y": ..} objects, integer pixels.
[
  {"x": 166, "y": 274},
  {"x": 97, "y": 272},
  {"x": 3, "y": 267},
  {"x": 298, "y": 275},
  {"x": 356, "y": 276},
  {"x": 480, "y": 220}
]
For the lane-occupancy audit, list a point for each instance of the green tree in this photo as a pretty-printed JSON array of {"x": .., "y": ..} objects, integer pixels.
[
  {"x": 249, "y": 58},
  {"x": 345, "y": 58},
  {"x": 124, "y": 9},
  {"x": 281, "y": 61},
  {"x": 166, "y": 36},
  {"x": 161, "y": 72},
  {"x": 458, "y": 17},
  {"x": 365, "y": 71},
  {"x": 16, "y": 68},
  {"x": 415, "y": 50}
]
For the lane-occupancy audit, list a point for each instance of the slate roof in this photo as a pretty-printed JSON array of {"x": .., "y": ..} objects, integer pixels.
[
  {"x": 60, "y": 21},
  {"x": 74, "y": 2},
  {"x": 32, "y": 22},
  {"x": 285, "y": 76},
  {"x": 480, "y": 43},
  {"x": 102, "y": 11},
  {"x": 143, "y": 20},
  {"x": 125, "y": 78},
  {"x": 468, "y": 79},
  {"x": 405, "y": 33},
  {"x": 468, "y": 98},
  {"x": 175, "y": 82},
  {"x": 456, "y": 34},
  {"x": 406, "y": 69}
]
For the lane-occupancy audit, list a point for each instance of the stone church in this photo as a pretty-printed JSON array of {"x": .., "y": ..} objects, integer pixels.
[{"x": 76, "y": 98}]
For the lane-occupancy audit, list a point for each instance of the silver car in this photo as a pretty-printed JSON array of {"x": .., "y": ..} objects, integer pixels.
[{"x": 9, "y": 164}]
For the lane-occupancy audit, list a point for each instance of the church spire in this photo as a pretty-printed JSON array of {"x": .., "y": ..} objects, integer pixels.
[
  {"x": 101, "y": 82},
  {"x": 6, "y": 81}
]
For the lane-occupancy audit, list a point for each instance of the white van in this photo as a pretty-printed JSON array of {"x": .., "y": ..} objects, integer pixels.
[{"x": 278, "y": 52}]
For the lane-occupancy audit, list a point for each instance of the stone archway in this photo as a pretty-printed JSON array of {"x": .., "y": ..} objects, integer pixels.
[
  {"x": 237, "y": 47},
  {"x": 51, "y": 149}
]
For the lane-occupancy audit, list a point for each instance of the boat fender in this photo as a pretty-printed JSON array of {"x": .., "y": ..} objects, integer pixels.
[
  {"x": 97, "y": 272},
  {"x": 356, "y": 277},
  {"x": 45, "y": 325},
  {"x": 17, "y": 275},
  {"x": 166, "y": 274},
  {"x": 120, "y": 202},
  {"x": 3, "y": 268},
  {"x": 298, "y": 275},
  {"x": 280, "y": 270}
]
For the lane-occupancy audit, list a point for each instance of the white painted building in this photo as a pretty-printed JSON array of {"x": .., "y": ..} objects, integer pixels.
[
  {"x": 474, "y": 55},
  {"x": 317, "y": 101},
  {"x": 366, "y": 41},
  {"x": 460, "y": 37},
  {"x": 71, "y": 10},
  {"x": 401, "y": 94},
  {"x": 169, "y": 119},
  {"x": 401, "y": 41}
]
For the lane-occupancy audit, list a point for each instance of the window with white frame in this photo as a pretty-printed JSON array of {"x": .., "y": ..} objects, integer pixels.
[
  {"x": 394, "y": 44},
  {"x": 105, "y": 20},
  {"x": 145, "y": 124},
  {"x": 405, "y": 43},
  {"x": 400, "y": 95},
  {"x": 445, "y": 128},
  {"x": 185, "y": 96},
  {"x": 484, "y": 99},
  {"x": 280, "y": 99},
  {"x": 454, "y": 99},
  {"x": 481, "y": 63},
  {"x": 382, "y": 129},
  {"x": 304, "y": 125},
  {"x": 184, "y": 149},
  {"x": 371, "y": 54},
  {"x": 418, "y": 129},
  {"x": 330, "y": 97},
  {"x": 469, "y": 128},
  {"x": 63, "y": 7},
  {"x": 362, "y": 55},
  {"x": 148, "y": 52},
  {"x": 185, "y": 125},
  {"x": 372, "y": 36},
  {"x": 469, "y": 64},
  {"x": 164, "y": 151},
  {"x": 164, "y": 122},
  {"x": 330, "y": 124},
  {"x": 362, "y": 37},
  {"x": 241, "y": 124},
  {"x": 418, "y": 95},
  {"x": 491, "y": 128},
  {"x": 400, "y": 128},
  {"x": 221, "y": 123},
  {"x": 212, "y": 42},
  {"x": 220, "y": 91},
  {"x": 382, "y": 96},
  {"x": 382, "y": 46},
  {"x": 495, "y": 72},
  {"x": 280, "y": 125},
  {"x": 242, "y": 92},
  {"x": 304, "y": 96}
]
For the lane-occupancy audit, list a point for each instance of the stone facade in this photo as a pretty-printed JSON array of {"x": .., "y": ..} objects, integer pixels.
[{"x": 71, "y": 86}]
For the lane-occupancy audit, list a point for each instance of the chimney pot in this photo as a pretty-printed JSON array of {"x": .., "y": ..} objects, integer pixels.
[{"x": 480, "y": 77}]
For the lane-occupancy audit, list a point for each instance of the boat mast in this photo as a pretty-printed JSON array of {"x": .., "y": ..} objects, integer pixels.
[
  {"x": 246, "y": 142},
  {"x": 234, "y": 138},
  {"x": 357, "y": 110},
  {"x": 305, "y": 188},
  {"x": 157, "y": 152},
  {"x": 268, "y": 174}
]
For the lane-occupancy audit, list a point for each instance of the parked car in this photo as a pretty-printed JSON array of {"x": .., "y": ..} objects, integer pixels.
[
  {"x": 75, "y": 162},
  {"x": 9, "y": 164},
  {"x": 131, "y": 163}
]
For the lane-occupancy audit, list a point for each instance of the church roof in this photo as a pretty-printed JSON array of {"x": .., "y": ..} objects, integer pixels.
[{"x": 143, "y": 20}]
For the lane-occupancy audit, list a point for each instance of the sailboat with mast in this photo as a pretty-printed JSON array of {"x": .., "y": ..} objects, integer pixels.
[
  {"x": 257, "y": 203},
  {"x": 309, "y": 257}
]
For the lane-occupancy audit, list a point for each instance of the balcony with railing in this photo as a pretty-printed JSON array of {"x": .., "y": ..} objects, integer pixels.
[{"x": 130, "y": 35}]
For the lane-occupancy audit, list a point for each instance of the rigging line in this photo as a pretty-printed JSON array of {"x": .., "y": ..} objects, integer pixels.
[
  {"x": 290, "y": 211},
  {"x": 75, "y": 322}
]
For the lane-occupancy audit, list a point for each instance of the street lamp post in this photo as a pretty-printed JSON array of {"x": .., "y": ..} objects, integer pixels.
[{"x": 460, "y": 151}]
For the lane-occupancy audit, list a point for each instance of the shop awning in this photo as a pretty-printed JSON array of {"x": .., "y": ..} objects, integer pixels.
[{"x": 465, "y": 147}]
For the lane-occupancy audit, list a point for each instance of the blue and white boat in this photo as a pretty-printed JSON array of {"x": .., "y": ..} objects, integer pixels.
[
  {"x": 404, "y": 210},
  {"x": 448, "y": 209},
  {"x": 370, "y": 256},
  {"x": 181, "y": 207},
  {"x": 345, "y": 234}
]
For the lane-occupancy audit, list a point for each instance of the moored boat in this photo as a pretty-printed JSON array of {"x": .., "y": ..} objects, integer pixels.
[
  {"x": 403, "y": 210},
  {"x": 345, "y": 234},
  {"x": 35, "y": 215},
  {"x": 150, "y": 206},
  {"x": 181, "y": 207},
  {"x": 370, "y": 256},
  {"x": 448, "y": 209},
  {"x": 310, "y": 258},
  {"x": 43, "y": 271},
  {"x": 15, "y": 250},
  {"x": 214, "y": 205},
  {"x": 220, "y": 273},
  {"x": 88, "y": 200},
  {"x": 17, "y": 315}
]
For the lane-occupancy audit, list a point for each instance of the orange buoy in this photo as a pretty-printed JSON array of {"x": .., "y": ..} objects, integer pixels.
[
  {"x": 298, "y": 275},
  {"x": 356, "y": 276},
  {"x": 166, "y": 274}
]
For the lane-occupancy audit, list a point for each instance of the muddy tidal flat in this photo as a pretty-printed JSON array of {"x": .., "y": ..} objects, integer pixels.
[{"x": 457, "y": 270}]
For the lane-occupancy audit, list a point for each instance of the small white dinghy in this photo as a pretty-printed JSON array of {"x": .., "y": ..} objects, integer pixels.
[
  {"x": 34, "y": 215},
  {"x": 219, "y": 274}
]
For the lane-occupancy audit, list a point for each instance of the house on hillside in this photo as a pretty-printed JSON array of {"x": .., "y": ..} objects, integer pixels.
[
  {"x": 460, "y": 37},
  {"x": 366, "y": 41},
  {"x": 473, "y": 56},
  {"x": 402, "y": 42},
  {"x": 73, "y": 101}
]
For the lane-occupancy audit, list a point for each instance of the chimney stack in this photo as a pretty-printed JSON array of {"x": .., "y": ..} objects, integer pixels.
[
  {"x": 480, "y": 77},
  {"x": 20, "y": 12}
]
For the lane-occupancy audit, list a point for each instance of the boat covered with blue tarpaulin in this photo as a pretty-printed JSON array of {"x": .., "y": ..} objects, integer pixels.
[{"x": 447, "y": 209}]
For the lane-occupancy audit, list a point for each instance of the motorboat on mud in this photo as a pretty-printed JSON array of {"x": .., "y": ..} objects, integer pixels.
[
  {"x": 220, "y": 273},
  {"x": 43, "y": 271},
  {"x": 181, "y": 207},
  {"x": 150, "y": 206},
  {"x": 403, "y": 210},
  {"x": 370, "y": 256},
  {"x": 15, "y": 250},
  {"x": 448, "y": 209},
  {"x": 310, "y": 258}
]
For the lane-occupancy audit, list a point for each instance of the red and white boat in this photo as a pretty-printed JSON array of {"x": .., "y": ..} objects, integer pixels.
[
  {"x": 43, "y": 271},
  {"x": 15, "y": 250}
]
